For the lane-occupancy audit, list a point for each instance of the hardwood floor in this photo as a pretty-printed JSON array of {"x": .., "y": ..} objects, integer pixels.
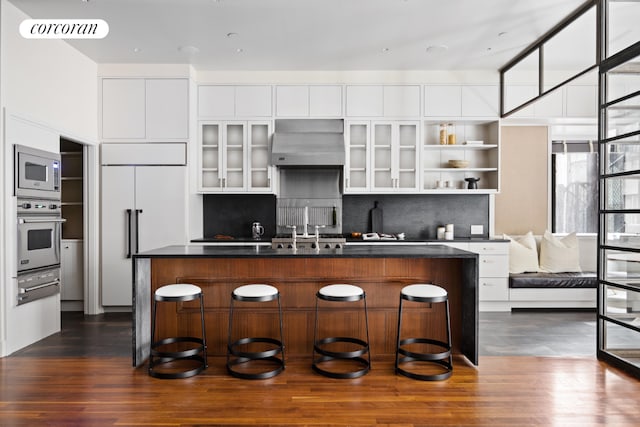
[{"x": 46, "y": 384}]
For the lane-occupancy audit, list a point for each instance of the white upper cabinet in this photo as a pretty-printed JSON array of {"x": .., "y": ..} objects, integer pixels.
[
  {"x": 517, "y": 95},
  {"x": 401, "y": 101},
  {"x": 383, "y": 101},
  {"x": 467, "y": 101},
  {"x": 253, "y": 101},
  {"x": 292, "y": 101},
  {"x": 216, "y": 101},
  {"x": 219, "y": 101},
  {"x": 123, "y": 108},
  {"x": 145, "y": 109},
  {"x": 325, "y": 101},
  {"x": 167, "y": 109},
  {"x": 480, "y": 101},
  {"x": 551, "y": 105},
  {"x": 365, "y": 101},
  {"x": 309, "y": 101},
  {"x": 442, "y": 101}
]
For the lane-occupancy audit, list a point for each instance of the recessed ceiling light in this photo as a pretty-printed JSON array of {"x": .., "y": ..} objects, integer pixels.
[
  {"x": 239, "y": 50},
  {"x": 435, "y": 49},
  {"x": 385, "y": 49},
  {"x": 136, "y": 49},
  {"x": 502, "y": 33},
  {"x": 231, "y": 35}
]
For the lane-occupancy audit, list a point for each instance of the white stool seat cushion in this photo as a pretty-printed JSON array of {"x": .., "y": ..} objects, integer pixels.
[
  {"x": 255, "y": 291},
  {"x": 178, "y": 290},
  {"x": 340, "y": 291},
  {"x": 424, "y": 291}
]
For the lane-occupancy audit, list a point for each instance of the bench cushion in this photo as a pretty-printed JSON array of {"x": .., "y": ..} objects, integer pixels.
[{"x": 553, "y": 280}]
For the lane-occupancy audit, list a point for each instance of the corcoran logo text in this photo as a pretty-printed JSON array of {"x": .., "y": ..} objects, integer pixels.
[{"x": 64, "y": 29}]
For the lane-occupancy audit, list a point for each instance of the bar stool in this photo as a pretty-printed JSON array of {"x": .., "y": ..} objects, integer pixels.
[
  {"x": 341, "y": 293},
  {"x": 431, "y": 294},
  {"x": 238, "y": 351},
  {"x": 197, "y": 347}
]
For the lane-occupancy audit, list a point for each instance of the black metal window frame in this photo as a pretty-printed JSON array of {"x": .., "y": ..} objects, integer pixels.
[{"x": 538, "y": 45}]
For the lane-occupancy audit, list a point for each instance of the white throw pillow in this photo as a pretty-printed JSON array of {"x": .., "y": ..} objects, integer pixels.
[
  {"x": 559, "y": 255},
  {"x": 523, "y": 254}
]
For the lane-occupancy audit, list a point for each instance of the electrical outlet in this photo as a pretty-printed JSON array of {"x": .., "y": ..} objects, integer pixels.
[{"x": 477, "y": 229}]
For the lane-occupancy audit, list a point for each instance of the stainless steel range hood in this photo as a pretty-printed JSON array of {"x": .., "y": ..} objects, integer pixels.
[{"x": 308, "y": 142}]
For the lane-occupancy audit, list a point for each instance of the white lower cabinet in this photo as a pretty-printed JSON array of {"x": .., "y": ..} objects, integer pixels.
[
  {"x": 493, "y": 272},
  {"x": 72, "y": 271}
]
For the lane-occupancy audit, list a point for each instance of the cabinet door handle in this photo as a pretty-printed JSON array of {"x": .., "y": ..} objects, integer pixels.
[
  {"x": 128, "y": 233},
  {"x": 138, "y": 212}
]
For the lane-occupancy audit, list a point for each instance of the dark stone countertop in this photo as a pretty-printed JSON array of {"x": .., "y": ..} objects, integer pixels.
[
  {"x": 357, "y": 251},
  {"x": 349, "y": 240}
]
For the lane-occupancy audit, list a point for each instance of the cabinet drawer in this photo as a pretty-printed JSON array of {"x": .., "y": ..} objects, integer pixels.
[
  {"x": 494, "y": 266},
  {"x": 490, "y": 248},
  {"x": 493, "y": 289}
]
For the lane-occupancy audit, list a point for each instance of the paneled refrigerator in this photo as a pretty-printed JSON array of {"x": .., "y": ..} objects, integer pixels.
[{"x": 143, "y": 207}]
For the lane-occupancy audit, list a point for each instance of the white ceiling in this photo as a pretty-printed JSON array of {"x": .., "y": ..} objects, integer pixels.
[{"x": 311, "y": 34}]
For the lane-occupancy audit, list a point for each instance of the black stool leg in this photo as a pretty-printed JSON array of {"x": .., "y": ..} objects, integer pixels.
[
  {"x": 399, "y": 329},
  {"x": 281, "y": 331},
  {"x": 449, "y": 335},
  {"x": 366, "y": 323},
  {"x": 153, "y": 333},
  {"x": 204, "y": 332},
  {"x": 229, "y": 340}
]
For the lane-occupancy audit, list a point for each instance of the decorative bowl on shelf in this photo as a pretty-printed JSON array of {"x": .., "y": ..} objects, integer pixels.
[{"x": 458, "y": 163}]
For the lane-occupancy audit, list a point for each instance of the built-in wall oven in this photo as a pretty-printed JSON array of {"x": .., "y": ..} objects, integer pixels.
[
  {"x": 38, "y": 234},
  {"x": 39, "y": 223}
]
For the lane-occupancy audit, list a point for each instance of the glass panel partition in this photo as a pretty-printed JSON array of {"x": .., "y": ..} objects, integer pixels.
[{"x": 619, "y": 231}]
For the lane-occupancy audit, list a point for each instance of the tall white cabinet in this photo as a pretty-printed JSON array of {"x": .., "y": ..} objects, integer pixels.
[{"x": 143, "y": 207}]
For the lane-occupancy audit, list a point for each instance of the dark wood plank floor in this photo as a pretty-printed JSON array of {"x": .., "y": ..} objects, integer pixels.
[{"x": 46, "y": 384}]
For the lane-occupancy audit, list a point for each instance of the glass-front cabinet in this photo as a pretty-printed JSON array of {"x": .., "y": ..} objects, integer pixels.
[
  {"x": 382, "y": 156},
  {"x": 357, "y": 166},
  {"x": 234, "y": 156},
  {"x": 395, "y": 156},
  {"x": 619, "y": 236}
]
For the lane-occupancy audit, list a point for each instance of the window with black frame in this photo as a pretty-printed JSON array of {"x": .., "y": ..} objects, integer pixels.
[{"x": 575, "y": 186}]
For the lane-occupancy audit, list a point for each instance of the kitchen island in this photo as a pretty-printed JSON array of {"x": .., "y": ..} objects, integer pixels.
[{"x": 381, "y": 271}]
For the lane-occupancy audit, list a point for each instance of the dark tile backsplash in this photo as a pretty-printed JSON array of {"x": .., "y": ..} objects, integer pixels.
[
  {"x": 233, "y": 214},
  {"x": 417, "y": 215}
]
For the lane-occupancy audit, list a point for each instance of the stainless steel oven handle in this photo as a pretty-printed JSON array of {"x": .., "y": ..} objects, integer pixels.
[
  {"x": 39, "y": 220},
  {"x": 44, "y": 285}
]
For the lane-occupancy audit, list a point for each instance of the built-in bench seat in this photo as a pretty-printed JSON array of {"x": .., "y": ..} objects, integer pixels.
[
  {"x": 558, "y": 290},
  {"x": 553, "y": 280}
]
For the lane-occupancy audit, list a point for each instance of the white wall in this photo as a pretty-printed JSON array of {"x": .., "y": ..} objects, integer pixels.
[{"x": 47, "y": 89}]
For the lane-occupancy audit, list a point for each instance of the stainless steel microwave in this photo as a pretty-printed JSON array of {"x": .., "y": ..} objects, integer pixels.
[{"x": 37, "y": 173}]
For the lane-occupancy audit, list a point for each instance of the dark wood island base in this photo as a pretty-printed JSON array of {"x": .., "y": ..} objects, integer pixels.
[{"x": 298, "y": 276}]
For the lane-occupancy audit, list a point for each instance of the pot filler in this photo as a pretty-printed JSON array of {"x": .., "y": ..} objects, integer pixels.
[{"x": 310, "y": 155}]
